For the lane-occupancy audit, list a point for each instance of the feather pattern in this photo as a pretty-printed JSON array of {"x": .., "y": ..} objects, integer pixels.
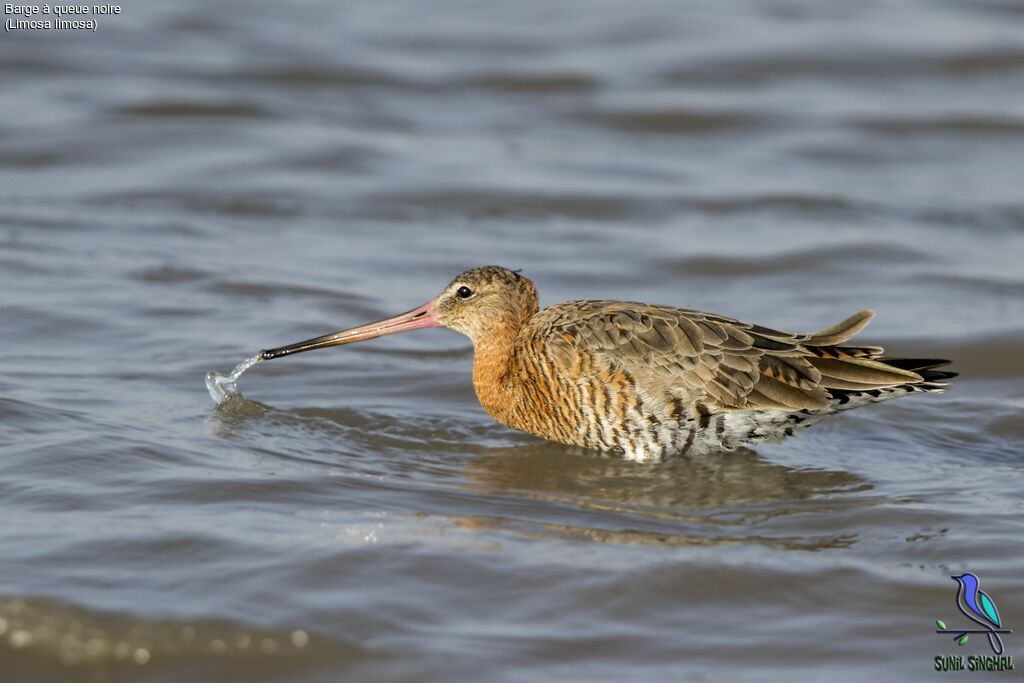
[
  {"x": 700, "y": 356},
  {"x": 662, "y": 356}
]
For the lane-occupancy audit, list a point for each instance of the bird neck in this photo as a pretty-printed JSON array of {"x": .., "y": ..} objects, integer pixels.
[{"x": 492, "y": 356}]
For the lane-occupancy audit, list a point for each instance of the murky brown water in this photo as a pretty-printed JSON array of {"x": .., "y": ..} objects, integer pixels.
[{"x": 197, "y": 181}]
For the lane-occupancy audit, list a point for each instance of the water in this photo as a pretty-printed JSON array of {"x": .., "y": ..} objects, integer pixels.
[
  {"x": 197, "y": 180},
  {"x": 223, "y": 387}
]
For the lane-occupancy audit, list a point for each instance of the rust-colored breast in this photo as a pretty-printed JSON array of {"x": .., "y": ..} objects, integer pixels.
[{"x": 522, "y": 388}]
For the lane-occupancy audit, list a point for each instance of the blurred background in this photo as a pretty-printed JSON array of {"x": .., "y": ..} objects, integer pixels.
[{"x": 196, "y": 181}]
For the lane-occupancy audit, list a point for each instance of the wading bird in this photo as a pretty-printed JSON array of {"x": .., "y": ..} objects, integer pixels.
[{"x": 646, "y": 381}]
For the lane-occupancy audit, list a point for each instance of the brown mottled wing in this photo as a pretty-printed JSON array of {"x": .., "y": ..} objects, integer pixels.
[{"x": 669, "y": 351}]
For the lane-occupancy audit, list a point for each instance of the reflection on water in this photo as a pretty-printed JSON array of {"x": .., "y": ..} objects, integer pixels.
[
  {"x": 568, "y": 532},
  {"x": 553, "y": 472},
  {"x": 683, "y": 501}
]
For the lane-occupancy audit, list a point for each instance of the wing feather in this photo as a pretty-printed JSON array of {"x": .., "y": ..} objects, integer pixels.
[{"x": 694, "y": 356}]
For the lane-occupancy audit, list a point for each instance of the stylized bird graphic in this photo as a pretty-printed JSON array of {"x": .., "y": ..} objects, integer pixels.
[
  {"x": 976, "y": 605},
  {"x": 647, "y": 381}
]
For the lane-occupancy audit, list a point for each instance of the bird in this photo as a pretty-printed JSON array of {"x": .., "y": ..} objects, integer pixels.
[
  {"x": 647, "y": 381},
  {"x": 976, "y": 605}
]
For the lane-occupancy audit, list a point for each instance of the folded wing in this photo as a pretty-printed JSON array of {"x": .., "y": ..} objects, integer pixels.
[{"x": 726, "y": 363}]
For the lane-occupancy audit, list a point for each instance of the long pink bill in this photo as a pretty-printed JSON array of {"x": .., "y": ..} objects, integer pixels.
[{"x": 412, "y": 320}]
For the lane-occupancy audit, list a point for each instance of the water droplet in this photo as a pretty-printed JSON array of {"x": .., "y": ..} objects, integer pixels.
[
  {"x": 141, "y": 656},
  {"x": 221, "y": 387},
  {"x": 300, "y": 638}
]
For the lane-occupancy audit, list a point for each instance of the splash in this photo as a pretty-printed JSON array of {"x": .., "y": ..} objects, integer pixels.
[{"x": 222, "y": 387}]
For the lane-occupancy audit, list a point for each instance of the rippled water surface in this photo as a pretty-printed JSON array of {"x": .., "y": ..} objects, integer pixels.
[{"x": 197, "y": 181}]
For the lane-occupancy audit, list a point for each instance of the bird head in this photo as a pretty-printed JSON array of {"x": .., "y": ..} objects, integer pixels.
[
  {"x": 480, "y": 300},
  {"x": 475, "y": 303}
]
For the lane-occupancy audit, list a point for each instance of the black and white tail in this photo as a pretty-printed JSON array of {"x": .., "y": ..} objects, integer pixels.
[{"x": 932, "y": 380}]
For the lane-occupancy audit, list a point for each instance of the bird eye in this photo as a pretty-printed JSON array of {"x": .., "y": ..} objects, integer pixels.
[{"x": 464, "y": 292}]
